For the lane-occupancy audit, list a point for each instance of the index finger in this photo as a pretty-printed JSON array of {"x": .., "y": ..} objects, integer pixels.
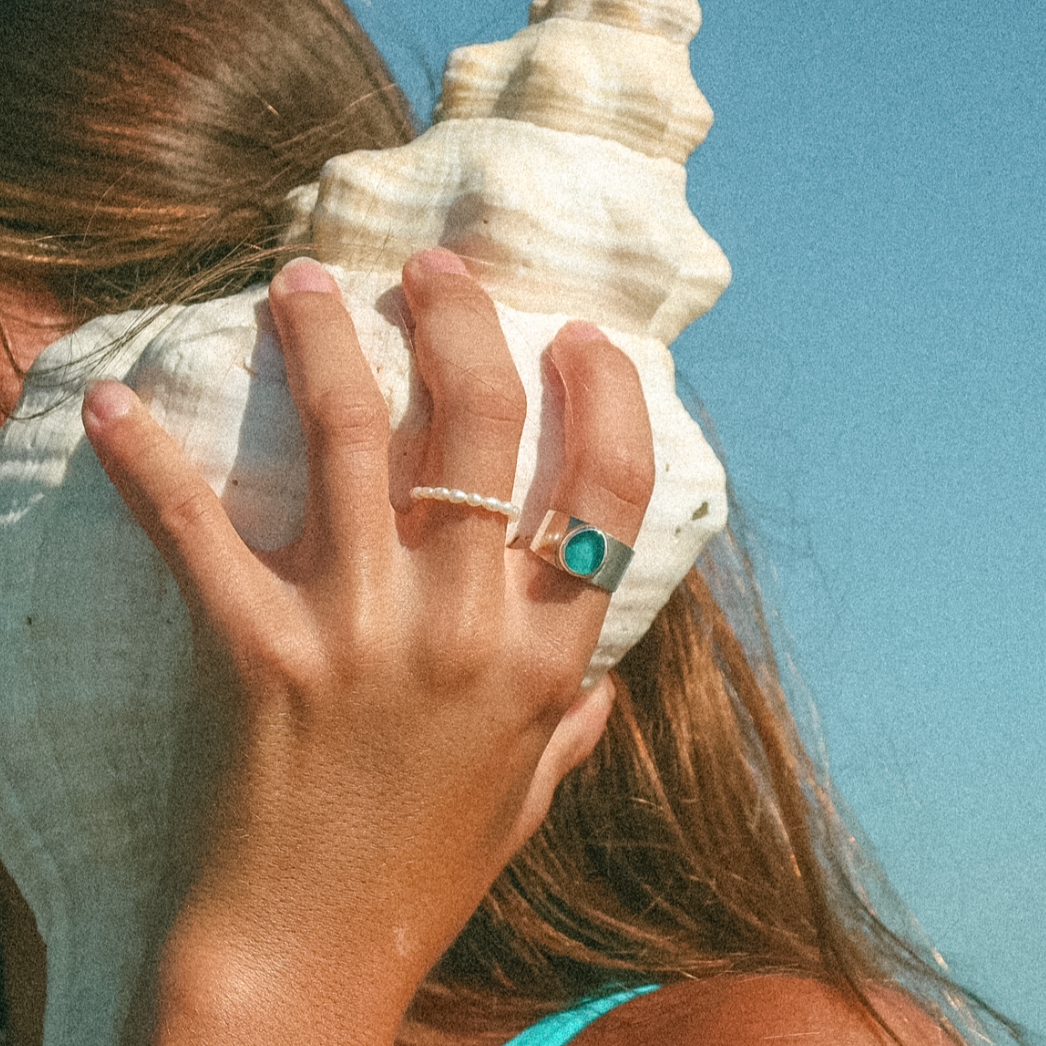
[
  {"x": 607, "y": 476},
  {"x": 608, "y": 466}
]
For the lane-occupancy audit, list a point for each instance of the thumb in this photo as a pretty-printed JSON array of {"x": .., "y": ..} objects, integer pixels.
[{"x": 571, "y": 744}]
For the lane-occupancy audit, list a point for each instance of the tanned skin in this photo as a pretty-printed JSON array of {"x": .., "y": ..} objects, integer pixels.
[{"x": 723, "y": 1011}]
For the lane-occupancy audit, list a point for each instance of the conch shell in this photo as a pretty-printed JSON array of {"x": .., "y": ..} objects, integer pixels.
[{"x": 555, "y": 169}]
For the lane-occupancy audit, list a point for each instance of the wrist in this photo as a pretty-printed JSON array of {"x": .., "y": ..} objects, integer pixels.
[{"x": 219, "y": 987}]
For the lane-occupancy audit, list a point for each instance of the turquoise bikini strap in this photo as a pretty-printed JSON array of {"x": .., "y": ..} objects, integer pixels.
[{"x": 559, "y": 1028}]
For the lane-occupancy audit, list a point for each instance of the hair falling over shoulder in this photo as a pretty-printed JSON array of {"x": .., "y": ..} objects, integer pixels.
[{"x": 699, "y": 839}]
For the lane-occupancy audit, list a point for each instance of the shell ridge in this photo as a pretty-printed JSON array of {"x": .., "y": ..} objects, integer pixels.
[
  {"x": 675, "y": 19},
  {"x": 584, "y": 77},
  {"x": 560, "y": 246}
]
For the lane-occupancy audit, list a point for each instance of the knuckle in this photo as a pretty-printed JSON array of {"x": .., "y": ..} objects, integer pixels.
[
  {"x": 365, "y": 649},
  {"x": 339, "y": 418},
  {"x": 363, "y": 635},
  {"x": 317, "y": 661},
  {"x": 556, "y": 672},
  {"x": 542, "y": 685},
  {"x": 560, "y": 680},
  {"x": 187, "y": 512},
  {"x": 488, "y": 394},
  {"x": 277, "y": 655}
]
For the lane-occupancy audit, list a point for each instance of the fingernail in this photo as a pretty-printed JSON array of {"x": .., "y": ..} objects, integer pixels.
[
  {"x": 305, "y": 274},
  {"x": 440, "y": 260},
  {"x": 581, "y": 331},
  {"x": 107, "y": 400}
]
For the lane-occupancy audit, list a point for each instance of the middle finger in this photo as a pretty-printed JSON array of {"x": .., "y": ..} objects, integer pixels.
[{"x": 479, "y": 406}]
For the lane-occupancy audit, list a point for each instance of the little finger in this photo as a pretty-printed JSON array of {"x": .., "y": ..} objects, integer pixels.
[
  {"x": 175, "y": 507},
  {"x": 572, "y": 742}
]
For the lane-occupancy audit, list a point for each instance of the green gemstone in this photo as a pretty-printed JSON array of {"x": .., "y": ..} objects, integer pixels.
[{"x": 584, "y": 552}]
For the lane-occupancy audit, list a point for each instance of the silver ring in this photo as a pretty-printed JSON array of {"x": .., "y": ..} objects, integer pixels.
[
  {"x": 461, "y": 497},
  {"x": 581, "y": 549}
]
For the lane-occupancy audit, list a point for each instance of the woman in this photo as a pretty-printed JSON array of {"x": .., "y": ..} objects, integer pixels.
[{"x": 736, "y": 883}]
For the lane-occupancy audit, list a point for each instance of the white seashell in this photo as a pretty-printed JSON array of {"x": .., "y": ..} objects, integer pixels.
[
  {"x": 556, "y": 171},
  {"x": 574, "y": 76},
  {"x": 677, "y": 20}
]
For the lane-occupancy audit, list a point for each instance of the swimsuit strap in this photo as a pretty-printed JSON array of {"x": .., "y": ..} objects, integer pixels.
[{"x": 559, "y": 1028}]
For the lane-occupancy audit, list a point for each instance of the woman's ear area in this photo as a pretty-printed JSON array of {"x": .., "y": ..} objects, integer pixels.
[{"x": 31, "y": 318}]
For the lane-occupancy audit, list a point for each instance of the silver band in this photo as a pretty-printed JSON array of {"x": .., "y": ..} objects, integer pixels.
[
  {"x": 461, "y": 497},
  {"x": 582, "y": 550}
]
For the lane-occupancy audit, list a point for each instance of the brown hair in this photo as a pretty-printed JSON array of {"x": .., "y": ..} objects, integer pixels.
[
  {"x": 143, "y": 159},
  {"x": 699, "y": 839},
  {"x": 147, "y": 145}
]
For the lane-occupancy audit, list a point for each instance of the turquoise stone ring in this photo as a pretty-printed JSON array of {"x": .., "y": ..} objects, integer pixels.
[
  {"x": 581, "y": 549},
  {"x": 584, "y": 551}
]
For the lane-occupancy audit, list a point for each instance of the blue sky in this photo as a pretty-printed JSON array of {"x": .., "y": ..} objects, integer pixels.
[{"x": 877, "y": 176}]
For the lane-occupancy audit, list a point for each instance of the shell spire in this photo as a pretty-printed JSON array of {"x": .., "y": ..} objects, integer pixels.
[
  {"x": 678, "y": 20},
  {"x": 619, "y": 71},
  {"x": 555, "y": 167}
]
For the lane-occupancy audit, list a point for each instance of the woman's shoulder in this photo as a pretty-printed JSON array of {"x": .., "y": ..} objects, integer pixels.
[{"x": 753, "y": 1010}]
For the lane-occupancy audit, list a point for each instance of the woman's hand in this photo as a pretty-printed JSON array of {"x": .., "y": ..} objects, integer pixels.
[{"x": 402, "y": 691}]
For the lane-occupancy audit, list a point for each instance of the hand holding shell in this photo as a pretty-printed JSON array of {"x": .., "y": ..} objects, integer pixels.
[{"x": 555, "y": 171}]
